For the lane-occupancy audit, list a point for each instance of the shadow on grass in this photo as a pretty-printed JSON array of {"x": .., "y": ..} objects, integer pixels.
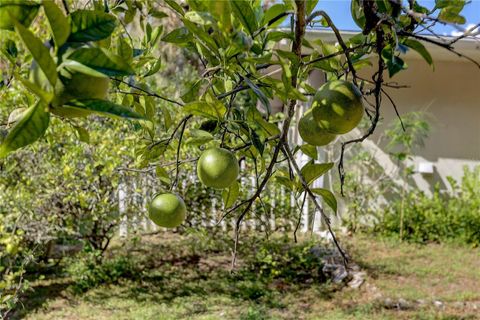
[
  {"x": 37, "y": 298},
  {"x": 170, "y": 270}
]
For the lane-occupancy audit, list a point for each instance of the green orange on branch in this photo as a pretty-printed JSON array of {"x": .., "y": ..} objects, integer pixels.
[
  {"x": 217, "y": 168},
  {"x": 311, "y": 133},
  {"x": 167, "y": 210},
  {"x": 337, "y": 106}
]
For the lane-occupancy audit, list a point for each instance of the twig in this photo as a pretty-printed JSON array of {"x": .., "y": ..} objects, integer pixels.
[
  {"x": 177, "y": 165},
  {"x": 297, "y": 49},
  {"x": 339, "y": 39},
  {"x": 395, "y": 108},
  {"x": 312, "y": 196},
  {"x": 153, "y": 94},
  {"x": 300, "y": 213},
  {"x": 446, "y": 45},
  {"x": 65, "y": 6},
  {"x": 378, "y": 79}
]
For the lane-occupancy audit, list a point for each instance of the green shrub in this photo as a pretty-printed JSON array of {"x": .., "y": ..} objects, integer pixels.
[
  {"x": 290, "y": 262},
  {"x": 87, "y": 272},
  {"x": 452, "y": 217}
]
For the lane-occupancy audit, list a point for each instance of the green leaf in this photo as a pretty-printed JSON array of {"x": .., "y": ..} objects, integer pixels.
[
  {"x": 162, "y": 175},
  {"x": 58, "y": 22},
  {"x": 76, "y": 66},
  {"x": 420, "y": 48},
  {"x": 243, "y": 11},
  {"x": 201, "y": 18},
  {"x": 192, "y": 92},
  {"x": 327, "y": 196},
  {"x": 124, "y": 50},
  {"x": 155, "y": 67},
  {"x": 230, "y": 195},
  {"x": 39, "y": 52},
  {"x": 312, "y": 171},
  {"x": 27, "y": 130},
  {"x": 32, "y": 87},
  {"x": 310, "y": 5},
  {"x": 285, "y": 181},
  {"x": 255, "y": 119},
  {"x": 103, "y": 107},
  {"x": 83, "y": 134},
  {"x": 157, "y": 14},
  {"x": 309, "y": 150},
  {"x": 23, "y": 11},
  {"x": 175, "y": 6},
  {"x": 89, "y": 25},
  {"x": 180, "y": 35},
  {"x": 394, "y": 64},
  {"x": 260, "y": 95},
  {"x": 203, "y": 37},
  {"x": 199, "y": 137},
  {"x": 272, "y": 13},
  {"x": 205, "y": 109},
  {"x": 102, "y": 60}
]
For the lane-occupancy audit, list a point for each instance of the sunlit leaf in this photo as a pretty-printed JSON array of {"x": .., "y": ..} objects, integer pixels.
[
  {"x": 230, "y": 195},
  {"x": 58, "y": 22},
  {"x": 102, "y": 60},
  {"x": 103, "y": 107},
  {"x": 205, "y": 109},
  {"x": 89, "y": 25},
  {"x": 327, "y": 196},
  {"x": 312, "y": 171},
  {"x": 39, "y": 52},
  {"x": 243, "y": 11},
  {"x": 32, "y": 126}
]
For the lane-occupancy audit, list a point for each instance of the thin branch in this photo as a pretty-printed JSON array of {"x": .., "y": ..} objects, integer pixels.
[
  {"x": 339, "y": 39},
  {"x": 378, "y": 79},
  {"x": 297, "y": 50},
  {"x": 312, "y": 196},
  {"x": 153, "y": 94},
  {"x": 395, "y": 108},
  {"x": 300, "y": 213},
  {"x": 167, "y": 141},
  {"x": 65, "y": 6},
  {"x": 446, "y": 45},
  {"x": 177, "y": 165}
]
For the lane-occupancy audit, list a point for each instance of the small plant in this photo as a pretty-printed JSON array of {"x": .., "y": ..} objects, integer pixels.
[
  {"x": 87, "y": 273},
  {"x": 452, "y": 217},
  {"x": 290, "y": 262}
]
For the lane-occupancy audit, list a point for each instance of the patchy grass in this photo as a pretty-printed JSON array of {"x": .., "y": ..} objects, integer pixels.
[{"x": 189, "y": 278}]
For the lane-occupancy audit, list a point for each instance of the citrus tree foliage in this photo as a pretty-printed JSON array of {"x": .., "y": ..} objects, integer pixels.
[{"x": 64, "y": 57}]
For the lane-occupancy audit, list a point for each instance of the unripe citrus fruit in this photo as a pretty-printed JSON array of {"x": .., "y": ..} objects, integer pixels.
[
  {"x": 22, "y": 10},
  {"x": 167, "y": 210},
  {"x": 311, "y": 133},
  {"x": 337, "y": 106},
  {"x": 217, "y": 168}
]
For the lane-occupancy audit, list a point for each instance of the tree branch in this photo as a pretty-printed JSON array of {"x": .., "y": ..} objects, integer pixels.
[
  {"x": 312, "y": 196},
  {"x": 297, "y": 50}
]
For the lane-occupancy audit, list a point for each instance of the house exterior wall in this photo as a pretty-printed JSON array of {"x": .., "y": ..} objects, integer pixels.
[{"x": 450, "y": 94}]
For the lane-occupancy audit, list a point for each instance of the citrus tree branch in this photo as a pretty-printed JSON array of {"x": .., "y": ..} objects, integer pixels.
[
  {"x": 312, "y": 196},
  {"x": 300, "y": 24},
  {"x": 378, "y": 80}
]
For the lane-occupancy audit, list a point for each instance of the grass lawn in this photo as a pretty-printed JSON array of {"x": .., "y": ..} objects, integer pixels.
[{"x": 185, "y": 278}]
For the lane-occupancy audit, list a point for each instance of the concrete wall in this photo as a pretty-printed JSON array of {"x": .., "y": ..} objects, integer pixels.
[{"x": 450, "y": 94}]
